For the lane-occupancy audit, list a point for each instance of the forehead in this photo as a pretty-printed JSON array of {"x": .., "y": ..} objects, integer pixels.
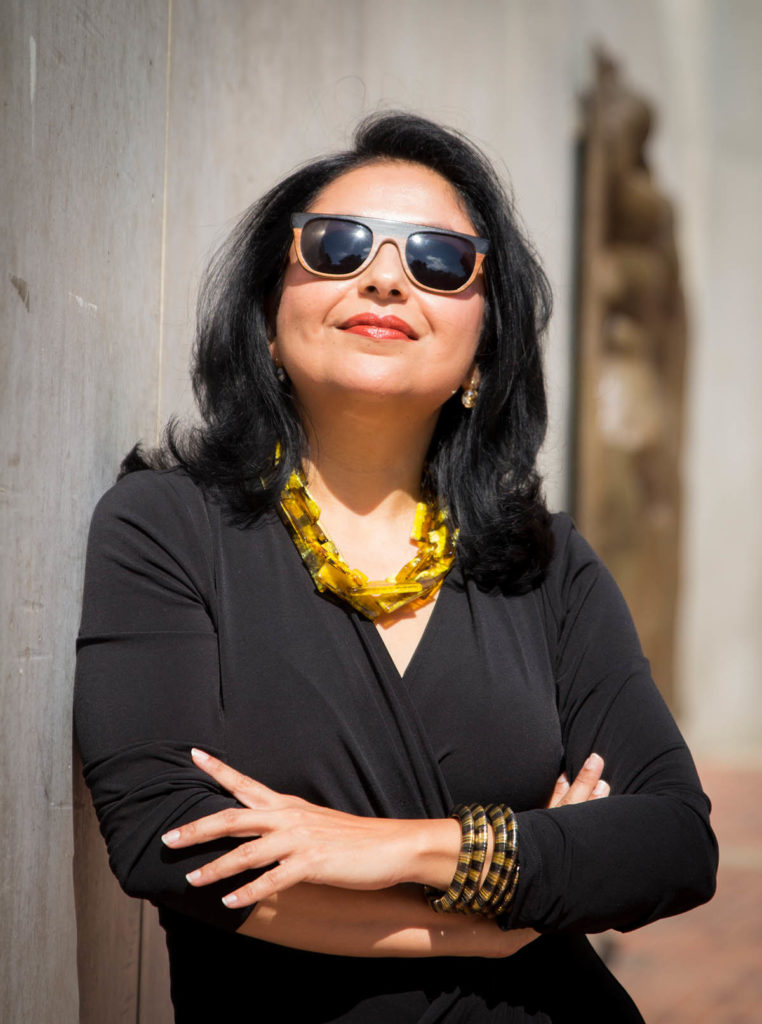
[{"x": 396, "y": 190}]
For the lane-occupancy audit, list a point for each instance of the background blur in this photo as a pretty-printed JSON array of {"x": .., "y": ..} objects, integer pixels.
[{"x": 133, "y": 134}]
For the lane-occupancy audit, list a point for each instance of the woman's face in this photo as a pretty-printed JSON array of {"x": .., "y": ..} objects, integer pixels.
[{"x": 329, "y": 356}]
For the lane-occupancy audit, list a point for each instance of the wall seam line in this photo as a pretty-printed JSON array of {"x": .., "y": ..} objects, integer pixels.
[
  {"x": 140, "y": 960},
  {"x": 163, "y": 258}
]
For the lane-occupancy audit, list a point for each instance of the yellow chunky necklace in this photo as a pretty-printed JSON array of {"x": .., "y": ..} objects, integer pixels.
[{"x": 415, "y": 583}]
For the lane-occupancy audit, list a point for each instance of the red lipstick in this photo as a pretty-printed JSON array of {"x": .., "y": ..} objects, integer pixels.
[{"x": 383, "y": 328}]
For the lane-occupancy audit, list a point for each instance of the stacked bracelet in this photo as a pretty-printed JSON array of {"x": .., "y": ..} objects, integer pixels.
[
  {"x": 496, "y": 894},
  {"x": 445, "y": 901},
  {"x": 478, "y": 855},
  {"x": 497, "y": 877}
]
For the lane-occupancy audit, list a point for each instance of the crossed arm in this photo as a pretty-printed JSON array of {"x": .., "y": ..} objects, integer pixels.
[{"x": 348, "y": 885}]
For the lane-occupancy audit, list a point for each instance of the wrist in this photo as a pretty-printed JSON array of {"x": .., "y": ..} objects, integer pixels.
[{"x": 436, "y": 846}]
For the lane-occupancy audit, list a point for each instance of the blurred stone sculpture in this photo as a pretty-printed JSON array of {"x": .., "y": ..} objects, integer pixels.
[{"x": 631, "y": 360}]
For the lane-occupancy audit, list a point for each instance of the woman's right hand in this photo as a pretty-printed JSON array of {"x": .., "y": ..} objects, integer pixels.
[
  {"x": 588, "y": 785},
  {"x": 296, "y": 841}
]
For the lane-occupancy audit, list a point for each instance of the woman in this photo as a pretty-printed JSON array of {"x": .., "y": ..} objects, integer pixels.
[{"x": 370, "y": 332}]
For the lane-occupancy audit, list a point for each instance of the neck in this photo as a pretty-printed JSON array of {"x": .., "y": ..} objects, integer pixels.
[{"x": 369, "y": 465}]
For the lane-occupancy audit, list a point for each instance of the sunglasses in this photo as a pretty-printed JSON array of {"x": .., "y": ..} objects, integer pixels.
[{"x": 434, "y": 259}]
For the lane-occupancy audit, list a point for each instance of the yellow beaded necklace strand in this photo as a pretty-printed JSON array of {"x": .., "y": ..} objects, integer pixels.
[{"x": 415, "y": 583}]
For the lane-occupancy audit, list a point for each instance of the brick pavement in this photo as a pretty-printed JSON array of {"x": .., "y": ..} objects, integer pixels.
[{"x": 706, "y": 966}]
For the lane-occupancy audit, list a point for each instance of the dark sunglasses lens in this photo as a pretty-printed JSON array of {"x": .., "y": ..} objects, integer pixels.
[
  {"x": 438, "y": 261},
  {"x": 335, "y": 246}
]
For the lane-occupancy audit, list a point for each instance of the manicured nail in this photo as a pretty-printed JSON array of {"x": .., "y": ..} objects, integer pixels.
[
  {"x": 193, "y": 876},
  {"x": 601, "y": 787},
  {"x": 198, "y": 755},
  {"x": 170, "y": 837},
  {"x": 593, "y": 761},
  {"x": 231, "y": 900}
]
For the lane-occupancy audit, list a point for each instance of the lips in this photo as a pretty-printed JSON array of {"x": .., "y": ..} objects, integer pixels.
[{"x": 379, "y": 327}]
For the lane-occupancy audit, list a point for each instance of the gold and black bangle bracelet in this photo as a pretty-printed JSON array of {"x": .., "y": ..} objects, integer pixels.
[
  {"x": 478, "y": 856},
  {"x": 444, "y": 901},
  {"x": 502, "y": 915},
  {"x": 503, "y": 895},
  {"x": 499, "y": 866},
  {"x": 465, "y": 894}
]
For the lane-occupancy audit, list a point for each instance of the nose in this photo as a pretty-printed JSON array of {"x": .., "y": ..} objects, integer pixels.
[{"x": 385, "y": 276}]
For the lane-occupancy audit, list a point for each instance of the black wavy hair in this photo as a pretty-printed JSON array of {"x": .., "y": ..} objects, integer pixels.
[{"x": 481, "y": 463}]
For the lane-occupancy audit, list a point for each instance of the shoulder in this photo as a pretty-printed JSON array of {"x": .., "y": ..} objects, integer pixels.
[
  {"x": 151, "y": 545},
  {"x": 578, "y": 587},
  {"x": 575, "y": 569},
  {"x": 166, "y": 507},
  {"x": 158, "y": 494},
  {"x": 572, "y": 552}
]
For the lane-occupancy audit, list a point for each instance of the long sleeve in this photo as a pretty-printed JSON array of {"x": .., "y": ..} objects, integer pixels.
[
  {"x": 148, "y": 686},
  {"x": 646, "y": 851},
  {"x": 197, "y": 632}
]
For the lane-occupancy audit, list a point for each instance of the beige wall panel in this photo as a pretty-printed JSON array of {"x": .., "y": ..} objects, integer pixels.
[
  {"x": 81, "y": 176},
  {"x": 108, "y": 940},
  {"x": 155, "y": 1004},
  {"x": 722, "y": 639}
]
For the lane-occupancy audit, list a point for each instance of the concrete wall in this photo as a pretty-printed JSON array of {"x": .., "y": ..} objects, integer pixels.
[
  {"x": 133, "y": 134},
  {"x": 81, "y": 169},
  {"x": 720, "y": 139}
]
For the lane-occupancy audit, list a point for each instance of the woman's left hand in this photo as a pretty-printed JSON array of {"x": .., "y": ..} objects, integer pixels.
[
  {"x": 588, "y": 785},
  {"x": 308, "y": 843}
]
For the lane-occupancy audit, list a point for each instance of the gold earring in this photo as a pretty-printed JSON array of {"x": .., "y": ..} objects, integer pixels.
[
  {"x": 470, "y": 395},
  {"x": 280, "y": 372}
]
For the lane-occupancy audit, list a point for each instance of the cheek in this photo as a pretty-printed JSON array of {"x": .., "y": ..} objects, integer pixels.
[
  {"x": 306, "y": 301},
  {"x": 477, "y": 324},
  {"x": 464, "y": 324},
  {"x": 298, "y": 313}
]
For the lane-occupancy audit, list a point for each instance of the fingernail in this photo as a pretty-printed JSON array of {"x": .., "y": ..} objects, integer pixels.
[
  {"x": 600, "y": 788},
  {"x": 170, "y": 837},
  {"x": 231, "y": 900},
  {"x": 198, "y": 755},
  {"x": 193, "y": 876},
  {"x": 593, "y": 761}
]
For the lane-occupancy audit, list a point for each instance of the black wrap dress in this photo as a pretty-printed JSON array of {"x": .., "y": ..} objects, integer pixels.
[{"x": 196, "y": 632}]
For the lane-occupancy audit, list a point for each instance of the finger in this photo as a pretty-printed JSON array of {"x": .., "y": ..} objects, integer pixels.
[
  {"x": 601, "y": 789},
  {"x": 585, "y": 782},
  {"x": 247, "y": 790},
  {"x": 258, "y": 853},
  {"x": 560, "y": 790},
  {"x": 276, "y": 880},
  {"x": 233, "y": 821}
]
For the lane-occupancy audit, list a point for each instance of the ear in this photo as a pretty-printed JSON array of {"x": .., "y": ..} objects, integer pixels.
[{"x": 270, "y": 307}]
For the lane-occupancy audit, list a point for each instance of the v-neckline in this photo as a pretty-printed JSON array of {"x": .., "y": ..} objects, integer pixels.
[{"x": 423, "y": 641}]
